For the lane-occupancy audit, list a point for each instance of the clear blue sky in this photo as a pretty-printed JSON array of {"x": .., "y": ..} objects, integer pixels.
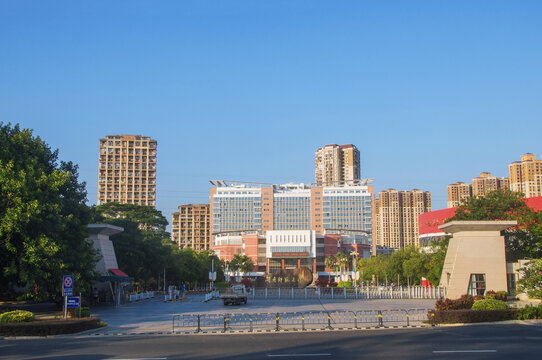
[{"x": 431, "y": 92}]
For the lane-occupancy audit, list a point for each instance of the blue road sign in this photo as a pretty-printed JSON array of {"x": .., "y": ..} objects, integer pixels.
[
  {"x": 67, "y": 285},
  {"x": 72, "y": 302}
]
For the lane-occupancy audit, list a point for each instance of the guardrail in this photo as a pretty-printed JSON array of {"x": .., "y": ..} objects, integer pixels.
[
  {"x": 212, "y": 295},
  {"x": 141, "y": 296},
  {"x": 410, "y": 292},
  {"x": 310, "y": 320}
]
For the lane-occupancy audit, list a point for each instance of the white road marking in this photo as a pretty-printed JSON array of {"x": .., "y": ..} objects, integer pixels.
[
  {"x": 464, "y": 351},
  {"x": 291, "y": 355}
]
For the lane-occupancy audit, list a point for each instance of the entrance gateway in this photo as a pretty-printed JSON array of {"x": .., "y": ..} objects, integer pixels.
[{"x": 475, "y": 261}]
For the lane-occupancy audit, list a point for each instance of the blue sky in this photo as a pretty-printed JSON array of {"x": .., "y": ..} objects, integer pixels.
[{"x": 431, "y": 92}]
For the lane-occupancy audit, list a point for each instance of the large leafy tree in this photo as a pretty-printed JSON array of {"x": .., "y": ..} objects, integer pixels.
[
  {"x": 43, "y": 219},
  {"x": 143, "y": 249},
  {"x": 523, "y": 240},
  {"x": 242, "y": 263}
]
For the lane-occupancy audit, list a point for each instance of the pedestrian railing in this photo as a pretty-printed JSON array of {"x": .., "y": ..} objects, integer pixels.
[
  {"x": 308, "y": 320},
  {"x": 212, "y": 295},
  {"x": 141, "y": 296},
  {"x": 407, "y": 292}
]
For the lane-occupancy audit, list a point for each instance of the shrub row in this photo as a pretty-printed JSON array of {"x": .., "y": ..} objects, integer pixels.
[
  {"x": 463, "y": 303},
  {"x": 472, "y": 316},
  {"x": 17, "y": 316},
  {"x": 531, "y": 312},
  {"x": 49, "y": 327},
  {"x": 490, "y": 304}
]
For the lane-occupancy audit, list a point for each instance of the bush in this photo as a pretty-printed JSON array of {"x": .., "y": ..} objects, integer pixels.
[
  {"x": 464, "y": 302},
  {"x": 530, "y": 312},
  {"x": 50, "y": 327},
  {"x": 17, "y": 316},
  {"x": 321, "y": 282},
  {"x": 489, "y": 304},
  {"x": 345, "y": 284},
  {"x": 472, "y": 316}
]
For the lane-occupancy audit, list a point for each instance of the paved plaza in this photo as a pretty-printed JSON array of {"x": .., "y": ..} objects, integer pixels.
[{"x": 155, "y": 315}]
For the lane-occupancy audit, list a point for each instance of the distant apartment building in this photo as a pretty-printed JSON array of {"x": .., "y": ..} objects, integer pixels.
[
  {"x": 480, "y": 186},
  {"x": 127, "y": 170},
  {"x": 191, "y": 227},
  {"x": 526, "y": 176},
  {"x": 457, "y": 192},
  {"x": 486, "y": 183},
  {"x": 396, "y": 217},
  {"x": 337, "y": 165}
]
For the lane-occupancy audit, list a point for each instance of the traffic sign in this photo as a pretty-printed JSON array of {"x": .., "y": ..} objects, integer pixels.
[
  {"x": 67, "y": 285},
  {"x": 73, "y": 302}
]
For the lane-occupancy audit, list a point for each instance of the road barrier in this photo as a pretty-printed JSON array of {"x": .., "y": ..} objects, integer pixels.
[
  {"x": 382, "y": 292},
  {"x": 309, "y": 320},
  {"x": 141, "y": 296}
]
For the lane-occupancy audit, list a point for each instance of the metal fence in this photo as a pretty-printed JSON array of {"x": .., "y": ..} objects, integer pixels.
[
  {"x": 407, "y": 292},
  {"x": 310, "y": 320}
]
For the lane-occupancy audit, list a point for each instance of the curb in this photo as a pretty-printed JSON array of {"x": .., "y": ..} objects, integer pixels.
[{"x": 221, "y": 332}]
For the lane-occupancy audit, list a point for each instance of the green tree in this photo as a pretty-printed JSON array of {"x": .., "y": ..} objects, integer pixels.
[
  {"x": 437, "y": 255},
  {"x": 523, "y": 240},
  {"x": 531, "y": 279},
  {"x": 375, "y": 265},
  {"x": 330, "y": 263},
  {"x": 43, "y": 219},
  {"x": 241, "y": 263},
  {"x": 144, "y": 249}
]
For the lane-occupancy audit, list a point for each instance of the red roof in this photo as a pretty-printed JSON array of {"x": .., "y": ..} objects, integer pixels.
[
  {"x": 430, "y": 221},
  {"x": 118, "y": 272}
]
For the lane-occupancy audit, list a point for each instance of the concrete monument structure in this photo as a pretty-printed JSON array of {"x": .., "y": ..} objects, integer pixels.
[{"x": 475, "y": 260}]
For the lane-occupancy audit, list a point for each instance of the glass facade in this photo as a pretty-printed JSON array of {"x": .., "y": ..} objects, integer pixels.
[
  {"x": 347, "y": 209},
  {"x": 291, "y": 212},
  {"x": 237, "y": 210}
]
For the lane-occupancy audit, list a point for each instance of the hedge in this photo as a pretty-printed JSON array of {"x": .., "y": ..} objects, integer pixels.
[
  {"x": 49, "y": 327},
  {"x": 489, "y": 304},
  {"x": 472, "y": 316},
  {"x": 17, "y": 316}
]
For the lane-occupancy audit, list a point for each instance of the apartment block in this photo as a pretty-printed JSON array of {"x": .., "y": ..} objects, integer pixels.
[
  {"x": 526, "y": 176},
  {"x": 480, "y": 186},
  {"x": 486, "y": 183},
  {"x": 191, "y": 227},
  {"x": 457, "y": 192},
  {"x": 396, "y": 213},
  {"x": 337, "y": 165},
  {"x": 127, "y": 170}
]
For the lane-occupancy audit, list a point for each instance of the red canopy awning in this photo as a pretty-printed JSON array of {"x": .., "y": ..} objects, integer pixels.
[{"x": 118, "y": 272}]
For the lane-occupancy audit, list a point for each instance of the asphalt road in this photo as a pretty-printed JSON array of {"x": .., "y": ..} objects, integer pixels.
[{"x": 510, "y": 341}]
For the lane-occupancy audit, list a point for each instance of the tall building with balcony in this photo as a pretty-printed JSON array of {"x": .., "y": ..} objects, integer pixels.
[
  {"x": 526, "y": 176},
  {"x": 481, "y": 186},
  {"x": 457, "y": 192},
  {"x": 486, "y": 183},
  {"x": 127, "y": 170},
  {"x": 396, "y": 217},
  {"x": 337, "y": 165},
  {"x": 191, "y": 227}
]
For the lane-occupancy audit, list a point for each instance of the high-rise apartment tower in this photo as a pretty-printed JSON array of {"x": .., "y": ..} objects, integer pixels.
[
  {"x": 481, "y": 186},
  {"x": 526, "y": 176},
  {"x": 396, "y": 214},
  {"x": 191, "y": 227},
  {"x": 337, "y": 165},
  {"x": 127, "y": 170}
]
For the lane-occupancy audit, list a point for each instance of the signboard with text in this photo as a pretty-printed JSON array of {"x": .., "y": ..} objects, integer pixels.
[
  {"x": 67, "y": 285},
  {"x": 73, "y": 302}
]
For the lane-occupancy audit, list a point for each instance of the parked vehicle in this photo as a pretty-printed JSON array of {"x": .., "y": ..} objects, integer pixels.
[{"x": 235, "y": 295}]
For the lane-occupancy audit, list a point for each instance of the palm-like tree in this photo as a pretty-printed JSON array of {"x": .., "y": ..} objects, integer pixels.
[
  {"x": 330, "y": 263},
  {"x": 342, "y": 262}
]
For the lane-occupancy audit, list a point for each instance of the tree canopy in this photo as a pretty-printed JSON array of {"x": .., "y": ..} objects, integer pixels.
[
  {"x": 144, "y": 249},
  {"x": 43, "y": 219},
  {"x": 523, "y": 240}
]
